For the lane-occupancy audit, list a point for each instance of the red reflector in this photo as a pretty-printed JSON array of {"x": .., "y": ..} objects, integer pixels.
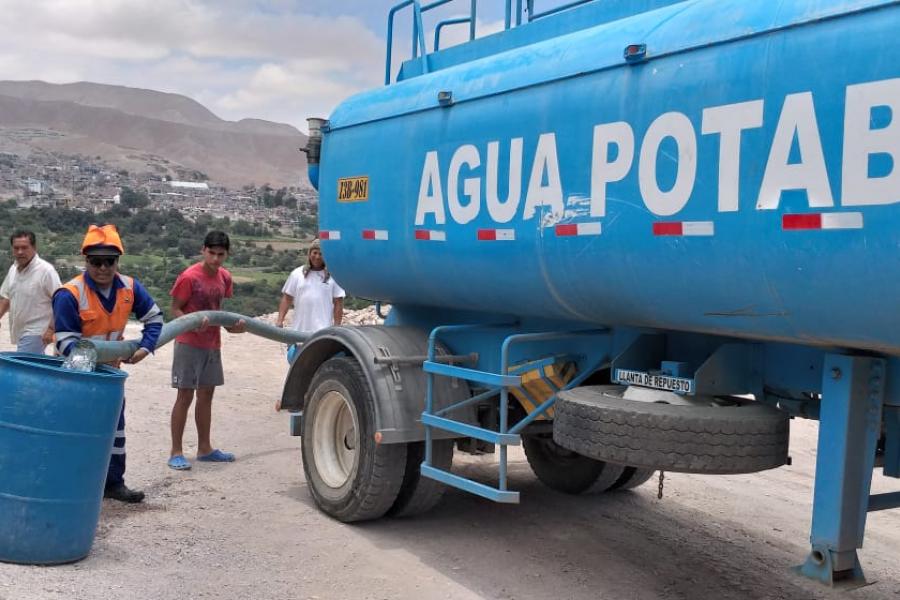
[
  {"x": 567, "y": 229},
  {"x": 813, "y": 221},
  {"x": 673, "y": 228},
  {"x": 422, "y": 234},
  {"x": 487, "y": 234},
  {"x": 368, "y": 234}
]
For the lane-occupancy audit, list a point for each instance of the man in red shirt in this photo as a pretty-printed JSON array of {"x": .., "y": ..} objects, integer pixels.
[{"x": 197, "y": 364}]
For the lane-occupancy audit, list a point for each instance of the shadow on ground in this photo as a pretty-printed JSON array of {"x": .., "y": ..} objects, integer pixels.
[{"x": 616, "y": 545}]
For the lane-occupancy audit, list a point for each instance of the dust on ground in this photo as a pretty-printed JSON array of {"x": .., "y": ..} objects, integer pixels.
[{"x": 249, "y": 530}]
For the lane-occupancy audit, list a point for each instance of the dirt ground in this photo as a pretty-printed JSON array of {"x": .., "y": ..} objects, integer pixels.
[{"x": 249, "y": 530}]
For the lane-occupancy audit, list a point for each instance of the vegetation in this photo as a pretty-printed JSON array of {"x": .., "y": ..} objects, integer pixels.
[
  {"x": 160, "y": 244},
  {"x": 271, "y": 198},
  {"x": 132, "y": 199}
]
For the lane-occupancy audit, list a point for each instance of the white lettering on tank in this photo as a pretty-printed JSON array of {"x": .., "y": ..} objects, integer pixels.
[
  {"x": 603, "y": 170},
  {"x": 463, "y": 213},
  {"x": 504, "y": 212},
  {"x": 795, "y": 161},
  {"x": 798, "y": 118},
  {"x": 538, "y": 194},
  {"x": 861, "y": 142},
  {"x": 677, "y": 126},
  {"x": 432, "y": 203},
  {"x": 730, "y": 121}
]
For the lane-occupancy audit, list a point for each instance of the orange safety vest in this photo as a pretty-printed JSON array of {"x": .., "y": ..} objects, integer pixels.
[{"x": 96, "y": 322}]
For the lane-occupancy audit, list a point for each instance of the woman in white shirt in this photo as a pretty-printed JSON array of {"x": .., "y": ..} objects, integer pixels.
[{"x": 317, "y": 298}]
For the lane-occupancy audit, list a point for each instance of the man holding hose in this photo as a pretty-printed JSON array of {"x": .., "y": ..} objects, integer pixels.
[
  {"x": 97, "y": 304},
  {"x": 197, "y": 359}
]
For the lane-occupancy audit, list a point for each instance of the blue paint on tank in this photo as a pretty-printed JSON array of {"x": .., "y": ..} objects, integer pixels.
[{"x": 675, "y": 233}]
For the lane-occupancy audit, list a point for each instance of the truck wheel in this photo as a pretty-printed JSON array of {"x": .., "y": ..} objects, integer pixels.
[
  {"x": 566, "y": 471},
  {"x": 420, "y": 494},
  {"x": 351, "y": 478},
  {"x": 633, "y": 477},
  {"x": 739, "y": 436}
]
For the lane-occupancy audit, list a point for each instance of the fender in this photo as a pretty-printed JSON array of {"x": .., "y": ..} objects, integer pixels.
[{"x": 398, "y": 390}]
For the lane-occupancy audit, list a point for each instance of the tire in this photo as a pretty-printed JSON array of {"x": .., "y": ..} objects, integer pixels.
[
  {"x": 565, "y": 471},
  {"x": 351, "y": 478},
  {"x": 420, "y": 494},
  {"x": 632, "y": 477},
  {"x": 742, "y": 437}
]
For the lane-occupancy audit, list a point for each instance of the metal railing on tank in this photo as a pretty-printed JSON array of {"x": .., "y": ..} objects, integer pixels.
[
  {"x": 418, "y": 31},
  {"x": 512, "y": 18}
]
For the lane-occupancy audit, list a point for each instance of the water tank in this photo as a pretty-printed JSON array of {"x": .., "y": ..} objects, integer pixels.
[
  {"x": 56, "y": 433},
  {"x": 718, "y": 166}
]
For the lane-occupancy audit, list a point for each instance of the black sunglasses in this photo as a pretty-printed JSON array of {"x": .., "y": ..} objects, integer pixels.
[{"x": 103, "y": 261}]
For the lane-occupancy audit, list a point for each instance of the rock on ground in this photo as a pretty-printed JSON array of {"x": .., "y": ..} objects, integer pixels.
[{"x": 364, "y": 316}]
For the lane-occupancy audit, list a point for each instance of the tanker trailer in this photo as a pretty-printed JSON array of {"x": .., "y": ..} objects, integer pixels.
[{"x": 631, "y": 236}]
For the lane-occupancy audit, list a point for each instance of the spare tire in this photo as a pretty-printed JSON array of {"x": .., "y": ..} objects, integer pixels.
[{"x": 741, "y": 436}]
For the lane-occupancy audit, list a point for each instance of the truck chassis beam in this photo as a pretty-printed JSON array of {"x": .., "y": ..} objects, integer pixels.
[{"x": 849, "y": 428}]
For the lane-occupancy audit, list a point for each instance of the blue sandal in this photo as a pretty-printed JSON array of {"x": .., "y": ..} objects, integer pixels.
[
  {"x": 179, "y": 463},
  {"x": 217, "y": 456}
]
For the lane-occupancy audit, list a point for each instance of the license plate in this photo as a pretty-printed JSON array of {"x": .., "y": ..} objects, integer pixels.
[
  {"x": 681, "y": 385},
  {"x": 353, "y": 189}
]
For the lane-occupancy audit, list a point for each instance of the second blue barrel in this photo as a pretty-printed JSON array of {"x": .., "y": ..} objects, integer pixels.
[{"x": 56, "y": 432}]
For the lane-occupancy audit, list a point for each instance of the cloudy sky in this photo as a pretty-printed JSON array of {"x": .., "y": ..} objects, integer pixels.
[{"x": 281, "y": 60}]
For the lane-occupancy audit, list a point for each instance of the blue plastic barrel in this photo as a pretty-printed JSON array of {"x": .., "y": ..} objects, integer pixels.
[{"x": 56, "y": 433}]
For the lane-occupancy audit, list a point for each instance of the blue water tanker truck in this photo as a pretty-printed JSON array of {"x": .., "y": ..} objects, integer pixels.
[{"x": 631, "y": 236}]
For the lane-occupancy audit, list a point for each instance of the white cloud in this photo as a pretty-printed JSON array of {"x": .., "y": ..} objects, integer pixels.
[
  {"x": 241, "y": 62},
  {"x": 301, "y": 88},
  {"x": 240, "y": 58}
]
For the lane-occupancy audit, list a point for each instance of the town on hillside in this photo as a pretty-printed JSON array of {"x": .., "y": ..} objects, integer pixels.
[
  {"x": 163, "y": 215},
  {"x": 89, "y": 184}
]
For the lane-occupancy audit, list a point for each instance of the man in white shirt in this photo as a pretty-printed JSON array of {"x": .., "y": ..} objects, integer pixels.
[
  {"x": 317, "y": 298},
  {"x": 27, "y": 294}
]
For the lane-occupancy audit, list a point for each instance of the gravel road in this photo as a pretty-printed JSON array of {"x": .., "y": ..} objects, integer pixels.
[{"x": 249, "y": 530}]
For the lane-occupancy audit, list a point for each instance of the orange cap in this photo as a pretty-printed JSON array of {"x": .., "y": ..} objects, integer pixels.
[{"x": 102, "y": 240}]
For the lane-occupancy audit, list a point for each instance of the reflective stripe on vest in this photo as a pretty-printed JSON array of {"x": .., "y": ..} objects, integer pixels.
[{"x": 96, "y": 323}]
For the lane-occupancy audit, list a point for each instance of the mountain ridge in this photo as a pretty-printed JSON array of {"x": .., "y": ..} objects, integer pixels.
[{"x": 135, "y": 128}]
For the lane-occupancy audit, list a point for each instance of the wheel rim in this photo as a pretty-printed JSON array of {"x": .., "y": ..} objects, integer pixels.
[
  {"x": 335, "y": 439},
  {"x": 636, "y": 393}
]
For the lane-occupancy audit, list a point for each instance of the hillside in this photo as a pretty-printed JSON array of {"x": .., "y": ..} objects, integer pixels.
[{"x": 145, "y": 130}]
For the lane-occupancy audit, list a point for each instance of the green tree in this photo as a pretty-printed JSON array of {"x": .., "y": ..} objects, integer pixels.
[
  {"x": 187, "y": 247},
  {"x": 133, "y": 199}
]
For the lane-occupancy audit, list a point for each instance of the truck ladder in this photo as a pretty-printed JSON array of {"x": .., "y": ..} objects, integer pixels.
[{"x": 496, "y": 384}]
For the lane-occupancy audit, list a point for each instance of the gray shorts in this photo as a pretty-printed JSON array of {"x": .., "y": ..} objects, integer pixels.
[
  {"x": 194, "y": 368},
  {"x": 31, "y": 343}
]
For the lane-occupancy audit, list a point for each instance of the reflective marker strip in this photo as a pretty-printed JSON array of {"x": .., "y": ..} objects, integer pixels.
[
  {"x": 794, "y": 222},
  {"x": 329, "y": 235},
  {"x": 848, "y": 220},
  {"x": 845, "y": 220},
  {"x": 374, "y": 234},
  {"x": 573, "y": 229},
  {"x": 429, "y": 234},
  {"x": 490, "y": 235},
  {"x": 698, "y": 228},
  {"x": 684, "y": 228}
]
